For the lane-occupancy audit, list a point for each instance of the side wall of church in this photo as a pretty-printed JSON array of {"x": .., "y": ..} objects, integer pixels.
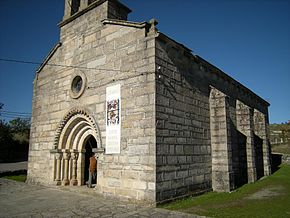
[
  {"x": 183, "y": 124},
  {"x": 208, "y": 135},
  {"x": 110, "y": 54}
]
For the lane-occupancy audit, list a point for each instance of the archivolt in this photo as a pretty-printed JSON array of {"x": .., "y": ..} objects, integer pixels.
[{"x": 74, "y": 128}]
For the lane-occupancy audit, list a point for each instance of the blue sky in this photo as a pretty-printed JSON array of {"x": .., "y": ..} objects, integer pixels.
[{"x": 249, "y": 40}]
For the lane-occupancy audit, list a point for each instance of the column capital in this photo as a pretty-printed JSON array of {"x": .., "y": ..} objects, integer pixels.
[
  {"x": 53, "y": 151},
  {"x": 66, "y": 155},
  {"x": 74, "y": 155},
  {"x": 58, "y": 155}
]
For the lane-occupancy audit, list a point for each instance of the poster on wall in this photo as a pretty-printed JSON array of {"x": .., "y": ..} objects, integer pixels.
[{"x": 113, "y": 119}]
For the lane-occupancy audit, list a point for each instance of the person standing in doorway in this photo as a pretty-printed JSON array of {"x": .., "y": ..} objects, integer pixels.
[{"x": 92, "y": 169}]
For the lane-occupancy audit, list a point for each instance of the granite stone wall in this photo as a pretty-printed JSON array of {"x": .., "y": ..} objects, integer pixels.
[
  {"x": 183, "y": 151},
  {"x": 207, "y": 136},
  {"x": 106, "y": 54}
]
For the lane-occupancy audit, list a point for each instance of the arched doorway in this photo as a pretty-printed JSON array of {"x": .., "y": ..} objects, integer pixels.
[
  {"x": 90, "y": 146},
  {"x": 77, "y": 136}
]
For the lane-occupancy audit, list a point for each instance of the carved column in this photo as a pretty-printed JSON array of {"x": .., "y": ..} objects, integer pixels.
[
  {"x": 66, "y": 157},
  {"x": 81, "y": 175},
  {"x": 74, "y": 157},
  {"x": 58, "y": 157}
]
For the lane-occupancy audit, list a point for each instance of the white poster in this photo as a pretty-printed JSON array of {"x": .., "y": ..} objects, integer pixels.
[{"x": 113, "y": 119}]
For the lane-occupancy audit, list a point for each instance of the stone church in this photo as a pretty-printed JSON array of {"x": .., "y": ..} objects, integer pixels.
[{"x": 164, "y": 122}]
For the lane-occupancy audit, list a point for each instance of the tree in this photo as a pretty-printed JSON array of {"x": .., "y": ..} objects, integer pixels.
[
  {"x": 20, "y": 129},
  {"x": 19, "y": 125},
  {"x": 6, "y": 141},
  {"x": 14, "y": 139},
  {"x": 5, "y": 133}
]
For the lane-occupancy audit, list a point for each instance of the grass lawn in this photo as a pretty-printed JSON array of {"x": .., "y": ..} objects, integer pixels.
[
  {"x": 269, "y": 197},
  {"x": 19, "y": 178}
]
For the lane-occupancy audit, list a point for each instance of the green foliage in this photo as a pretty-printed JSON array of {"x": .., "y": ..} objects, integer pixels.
[
  {"x": 20, "y": 129},
  {"x": 241, "y": 202},
  {"x": 19, "y": 178},
  {"x": 5, "y": 133},
  {"x": 14, "y": 139},
  {"x": 19, "y": 125},
  {"x": 282, "y": 127}
]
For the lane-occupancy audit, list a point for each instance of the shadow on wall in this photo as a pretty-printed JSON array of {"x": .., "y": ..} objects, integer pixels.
[
  {"x": 240, "y": 160},
  {"x": 276, "y": 161},
  {"x": 258, "y": 142}
]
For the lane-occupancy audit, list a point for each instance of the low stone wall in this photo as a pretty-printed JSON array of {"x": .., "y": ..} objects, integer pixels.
[
  {"x": 286, "y": 159},
  {"x": 278, "y": 159}
]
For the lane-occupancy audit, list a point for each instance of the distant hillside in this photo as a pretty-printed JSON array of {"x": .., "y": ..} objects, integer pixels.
[{"x": 280, "y": 137}]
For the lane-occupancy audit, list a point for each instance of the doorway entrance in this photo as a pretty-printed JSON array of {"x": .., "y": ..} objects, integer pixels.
[
  {"x": 90, "y": 145},
  {"x": 77, "y": 137}
]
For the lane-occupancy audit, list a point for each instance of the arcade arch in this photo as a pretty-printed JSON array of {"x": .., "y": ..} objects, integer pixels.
[{"x": 77, "y": 136}]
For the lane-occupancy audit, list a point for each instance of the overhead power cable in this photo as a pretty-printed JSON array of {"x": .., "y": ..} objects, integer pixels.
[
  {"x": 13, "y": 112},
  {"x": 10, "y": 116},
  {"x": 58, "y": 65}
]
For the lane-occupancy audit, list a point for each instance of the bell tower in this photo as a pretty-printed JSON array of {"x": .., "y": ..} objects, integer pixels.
[{"x": 112, "y": 9}]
